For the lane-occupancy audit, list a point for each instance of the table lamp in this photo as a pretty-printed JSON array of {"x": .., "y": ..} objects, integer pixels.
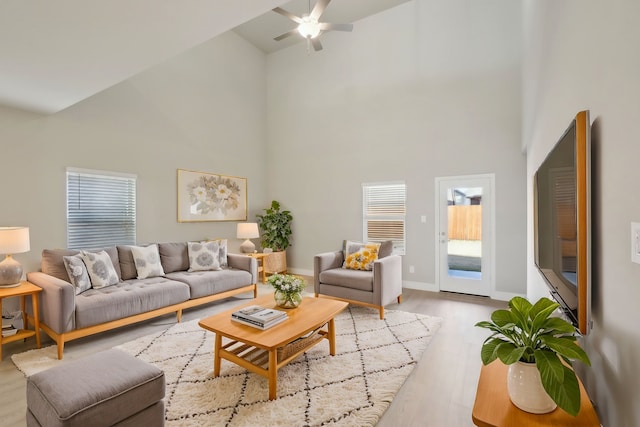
[
  {"x": 13, "y": 240},
  {"x": 247, "y": 230}
]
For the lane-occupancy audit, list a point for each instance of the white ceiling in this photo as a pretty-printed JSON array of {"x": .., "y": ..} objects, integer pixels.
[{"x": 54, "y": 54}]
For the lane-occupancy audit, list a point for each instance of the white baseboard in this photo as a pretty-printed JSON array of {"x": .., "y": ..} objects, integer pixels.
[
  {"x": 421, "y": 286},
  {"x": 300, "y": 271},
  {"x": 505, "y": 296}
]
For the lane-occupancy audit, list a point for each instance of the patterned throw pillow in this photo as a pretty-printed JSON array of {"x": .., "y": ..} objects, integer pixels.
[
  {"x": 147, "y": 261},
  {"x": 100, "y": 268},
  {"x": 360, "y": 256},
  {"x": 203, "y": 256},
  {"x": 77, "y": 272},
  {"x": 222, "y": 252}
]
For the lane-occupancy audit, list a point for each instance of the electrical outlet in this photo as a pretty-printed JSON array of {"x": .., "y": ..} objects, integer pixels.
[
  {"x": 635, "y": 242},
  {"x": 412, "y": 269}
]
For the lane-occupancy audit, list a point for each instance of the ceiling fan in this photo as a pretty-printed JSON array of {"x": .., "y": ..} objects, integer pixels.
[{"x": 309, "y": 26}]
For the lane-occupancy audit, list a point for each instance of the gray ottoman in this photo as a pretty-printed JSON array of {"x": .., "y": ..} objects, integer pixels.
[{"x": 104, "y": 389}]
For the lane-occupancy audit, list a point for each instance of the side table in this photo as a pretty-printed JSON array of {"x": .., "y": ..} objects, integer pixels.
[
  {"x": 493, "y": 408},
  {"x": 25, "y": 288},
  {"x": 259, "y": 256}
]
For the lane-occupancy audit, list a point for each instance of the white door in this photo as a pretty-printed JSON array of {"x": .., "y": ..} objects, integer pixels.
[{"x": 465, "y": 231}]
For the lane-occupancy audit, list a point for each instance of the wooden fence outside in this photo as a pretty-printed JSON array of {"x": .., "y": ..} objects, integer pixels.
[{"x": 465, "y": 222}]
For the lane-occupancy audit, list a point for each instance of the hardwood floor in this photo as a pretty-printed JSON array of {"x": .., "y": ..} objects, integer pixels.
[{"x": 439, "y": 392}]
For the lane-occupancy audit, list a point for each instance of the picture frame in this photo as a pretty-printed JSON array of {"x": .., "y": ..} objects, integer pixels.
[{"x": 206, "y": 196}]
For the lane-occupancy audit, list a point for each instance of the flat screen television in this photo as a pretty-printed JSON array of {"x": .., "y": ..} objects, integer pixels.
[{"x": 562, "y": 217}]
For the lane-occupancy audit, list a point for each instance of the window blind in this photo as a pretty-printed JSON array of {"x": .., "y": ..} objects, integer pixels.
[
  {"x": 101, "y": 209},
  {"x": 384, "y": 211}
]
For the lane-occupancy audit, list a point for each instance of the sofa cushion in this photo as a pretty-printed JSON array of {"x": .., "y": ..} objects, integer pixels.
[
  {"x": 127, "y": 264},
  {"x": 386, "y": 249},
  {"x": 204, "y": 283},
  {"x": 77, "y": 271},
  {"x": 100, "y": 268},
  {"x": 174, "y": 256},
  {"x": 127, "y": 299},
  {"x": 52, "y": 262},
  {"x": 355, "y": 279},
  {"x": 147, "y": 260},
  {"x": 203, "y": 256},
  {"x": 360, "y": 256}
]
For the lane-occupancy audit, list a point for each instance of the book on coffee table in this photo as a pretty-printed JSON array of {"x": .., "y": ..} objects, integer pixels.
[
  {"x": 259, "y": 317},
  {"x": 259, "y": 325}
]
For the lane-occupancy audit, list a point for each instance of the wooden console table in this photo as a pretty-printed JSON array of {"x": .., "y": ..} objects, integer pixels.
[{"x": 494, "y": 409}]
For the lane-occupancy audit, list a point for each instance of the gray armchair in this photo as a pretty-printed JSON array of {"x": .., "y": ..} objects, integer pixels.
[{"x": 376, "y": 288}]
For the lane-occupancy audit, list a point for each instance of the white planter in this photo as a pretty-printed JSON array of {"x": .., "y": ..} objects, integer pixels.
[{"x": 525, "y": 389}]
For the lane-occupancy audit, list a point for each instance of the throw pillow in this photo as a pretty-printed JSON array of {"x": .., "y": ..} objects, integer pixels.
[
  {"x": 360, "y": 256},
  {"x": 77, "y": 272},
  {"x": 203, "y": 256},
  {"x": 100, "y": 268},
  {"x": 147, "y": 260},
  {"x": 222, "y": 251}
]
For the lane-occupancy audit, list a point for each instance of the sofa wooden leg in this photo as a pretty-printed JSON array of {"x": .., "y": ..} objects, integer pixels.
[
  {"x": 400, "y": 299},
  {"x": 255, "y": 290},
  {"x": 60, "y": 343},
  {"x": 381, "y": 313},
  {"x": 179, "y": 316}
]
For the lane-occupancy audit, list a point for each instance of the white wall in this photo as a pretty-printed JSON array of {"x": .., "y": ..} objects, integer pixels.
[
  {"x": 583, "y": 54},
  {"x": 424, "y": 90},
  {"x": 203, "y": 110}
]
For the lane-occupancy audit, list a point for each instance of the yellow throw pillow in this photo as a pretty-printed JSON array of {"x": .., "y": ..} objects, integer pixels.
[{"x": 360, "y": 256}]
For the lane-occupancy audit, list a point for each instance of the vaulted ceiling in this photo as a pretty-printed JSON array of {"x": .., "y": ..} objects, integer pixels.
[{"x": 54, "y": 54}]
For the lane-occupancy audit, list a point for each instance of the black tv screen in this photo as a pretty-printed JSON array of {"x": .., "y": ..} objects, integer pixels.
[{"x": 562, "y": 221}]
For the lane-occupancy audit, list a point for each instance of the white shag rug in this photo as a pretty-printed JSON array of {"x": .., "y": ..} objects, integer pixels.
[{"x": 353, "y": 388}]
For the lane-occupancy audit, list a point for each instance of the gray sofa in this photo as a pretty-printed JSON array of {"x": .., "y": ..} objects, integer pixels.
[{"x": 66, "y": 315}]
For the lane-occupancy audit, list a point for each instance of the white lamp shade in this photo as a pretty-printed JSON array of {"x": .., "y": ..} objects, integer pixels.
[
  {"x": 247, "y": 230},
  {"x": 14, "y": 240}
]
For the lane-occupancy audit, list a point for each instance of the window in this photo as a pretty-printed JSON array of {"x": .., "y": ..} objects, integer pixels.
[
  {"x": 384, "y": 213},
  {"x": 101, "y": 209}
]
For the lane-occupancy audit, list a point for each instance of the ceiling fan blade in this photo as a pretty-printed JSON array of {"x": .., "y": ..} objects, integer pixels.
[
  {"x": 316, "y": 44},
  {"x": 285, "y": 35},
  {"x": 289, "y": 15},
  {"x": 318, "y": 9},
  {"x": 326, "y": 26}
]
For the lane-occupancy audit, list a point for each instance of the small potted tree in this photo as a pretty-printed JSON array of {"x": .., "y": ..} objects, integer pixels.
[
  {"x": 276, "y": 231},
  {"x": 539, "y": 349}
]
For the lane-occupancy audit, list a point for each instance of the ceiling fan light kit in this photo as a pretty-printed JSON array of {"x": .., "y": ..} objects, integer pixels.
[{"x": 309, "y": 26}]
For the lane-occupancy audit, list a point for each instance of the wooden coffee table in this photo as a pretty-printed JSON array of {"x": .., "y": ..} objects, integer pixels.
[{"x": 264, "y": 352}]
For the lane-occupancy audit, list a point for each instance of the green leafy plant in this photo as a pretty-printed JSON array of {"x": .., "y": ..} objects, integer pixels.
[
  {"x": 276, "y": 227},
  {"x": 528, "y": 334}
]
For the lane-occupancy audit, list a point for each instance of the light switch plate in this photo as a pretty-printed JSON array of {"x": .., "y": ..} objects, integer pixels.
[{"x": 635, "y": 242}]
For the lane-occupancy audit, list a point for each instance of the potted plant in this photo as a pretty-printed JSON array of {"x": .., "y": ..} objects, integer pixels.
[
  {"x": 276, "y": 227},
  {"x": 526, "y": 337},
  {"x": 276, "y": 230}
]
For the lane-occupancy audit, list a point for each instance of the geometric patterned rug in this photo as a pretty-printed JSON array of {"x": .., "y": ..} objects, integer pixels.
[{"x": 353, "y": 388}]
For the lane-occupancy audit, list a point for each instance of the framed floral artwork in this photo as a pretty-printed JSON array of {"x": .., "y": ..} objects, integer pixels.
[{"x": 209, "y": 197}]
